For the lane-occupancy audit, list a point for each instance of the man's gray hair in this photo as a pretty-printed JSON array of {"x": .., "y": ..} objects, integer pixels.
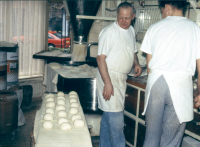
[{"x": 125, "y": 5}]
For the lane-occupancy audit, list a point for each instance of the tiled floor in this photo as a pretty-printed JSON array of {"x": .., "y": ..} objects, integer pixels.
[{"x": 22, "y": 134}]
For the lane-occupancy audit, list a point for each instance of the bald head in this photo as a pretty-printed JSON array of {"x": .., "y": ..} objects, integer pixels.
[{"x": 125, "y": 5}]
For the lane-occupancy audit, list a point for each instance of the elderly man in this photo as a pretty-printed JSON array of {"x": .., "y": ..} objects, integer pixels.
[
  {"x": 116, "y": 56},
  {"x": 172, "y": 46}
]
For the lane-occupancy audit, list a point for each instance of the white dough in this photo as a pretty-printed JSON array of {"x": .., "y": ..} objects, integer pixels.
[
  {"x": 73, "y": 96},
  {"x": 50, "y": 99},
  {"x": 60, "y": 97},
  {"x": 47, "y": 124},
  {"x": 60, "y": 107},
  {"x": 73, "y": 110},
  {"x": 55, "y": 65},
  {"x": 73, "y": 92},
  {"x": 73, "y": 100},
  {"x": 79, "y": 123},
  {"x": 76, "y": 105},
  {"x": 50, "y": 110},
  {"x": 49, "y": 95},
  {"x": 50, "y": 104},
  {"x": 76, "y": 116},
  {"x": 61, "y": 102},
  {"x": 60, "y": 93},
  {"x": 62, "y": 113},
  {"x": 62, "y": 120},
  {"x": 65, "y": 126},
  {"x": 48, "y": 116}
]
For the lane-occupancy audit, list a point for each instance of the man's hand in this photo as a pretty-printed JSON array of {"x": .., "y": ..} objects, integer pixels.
[
  {"x": 197, "y": 101},
  {"x": 197, "y": 93},
  {"x": 136, "y": 65},
  {"x": 138, "y": 70},
  {"x": 108, "y": 88},
  {"x": 108, "y": 91}
]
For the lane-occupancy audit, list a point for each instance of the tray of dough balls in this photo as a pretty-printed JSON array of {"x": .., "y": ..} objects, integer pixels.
[{"x": 60, "y": 122}]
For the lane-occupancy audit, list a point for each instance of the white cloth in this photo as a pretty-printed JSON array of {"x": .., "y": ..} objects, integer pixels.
[
  {"x": 174, "y": 45},
  {"x": 51, "y": 75},
  {"x": 50, "y": 79},
  {"x": 119, "y": 47}
]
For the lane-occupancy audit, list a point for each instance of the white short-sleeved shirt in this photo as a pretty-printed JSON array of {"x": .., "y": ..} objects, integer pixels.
[
  {"x": 174, "y": 44},
  {"x": 110, "y": 35}
]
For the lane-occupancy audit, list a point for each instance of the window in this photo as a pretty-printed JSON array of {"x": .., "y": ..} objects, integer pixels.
[
  {"x": 58, "y": 34},
  {"x": 50, "y": 37}
]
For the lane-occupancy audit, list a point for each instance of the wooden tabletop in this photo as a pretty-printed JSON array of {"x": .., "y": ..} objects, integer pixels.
[{"x": 139, "y": 81}]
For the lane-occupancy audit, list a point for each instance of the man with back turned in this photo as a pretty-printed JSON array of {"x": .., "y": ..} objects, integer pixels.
[{"x": 173, "y": 49}]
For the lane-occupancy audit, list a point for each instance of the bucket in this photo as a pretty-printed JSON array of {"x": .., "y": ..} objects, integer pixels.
[
  {"x": 8, "y": 111},
  {"x": 19, "y": 93},
  {"x": 3, "y": 70},
  {"x": 12, "y": 68}
]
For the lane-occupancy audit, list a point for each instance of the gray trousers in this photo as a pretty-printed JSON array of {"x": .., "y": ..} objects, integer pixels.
[{"x": 163, "y": 128}]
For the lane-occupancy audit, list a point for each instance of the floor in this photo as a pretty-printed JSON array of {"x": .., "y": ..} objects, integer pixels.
[{"x": 22, "y": 133}]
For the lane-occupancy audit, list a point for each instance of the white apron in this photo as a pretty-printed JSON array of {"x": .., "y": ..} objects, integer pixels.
[
  {"x": 118, "y": 68},
  {"x": 181, "y": 91}
]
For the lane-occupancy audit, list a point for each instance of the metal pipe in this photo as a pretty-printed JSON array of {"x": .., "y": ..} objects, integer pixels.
[{"x": 88, "y": 49}]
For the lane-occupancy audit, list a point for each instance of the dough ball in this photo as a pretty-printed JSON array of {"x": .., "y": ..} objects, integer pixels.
[
  {"x": 73, "y": 110},
  {"x": 76, "y": 105},
  {"x": 62, "y": 120},
  {"x": 49, "y": 95},
  {"x": 50, "y": 104},
  {"x": 65, "y": 126},
  {"x": 48, "y": 116},
  {"x": 73, "y": 96},
  {"x": 55, "y": 65},
  {"x": 47, "y": 124},
  {"x": 62, "y": 113},
  {"x": 60, "y": 97},
  {"x": 73, "y": 92},
  {"x": 50, "y": 110},
  {"x": 73, "y": 100},
  {"x": 76, "y": 116},
  {"x": 60, "y": 107},
  {"x": 50, "y": 99},
  {"x": 79, "y": 123},
  {"x": 61, "y": 102},
  {"x": 60, "y": 93}
]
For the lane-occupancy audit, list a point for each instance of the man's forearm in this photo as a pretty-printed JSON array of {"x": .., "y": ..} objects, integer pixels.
[
  {"x": 103, "y": 70},
  {"x": 135, "y": 62},
  {"x": 198, "y": 85}
]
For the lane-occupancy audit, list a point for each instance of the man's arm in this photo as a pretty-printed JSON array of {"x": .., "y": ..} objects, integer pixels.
[
  {"x": 108, "y": 88},
  {"x": 149, "y": 56},
  {"x": 136, "y": 65},
  {"x": 197, "y": 98}
]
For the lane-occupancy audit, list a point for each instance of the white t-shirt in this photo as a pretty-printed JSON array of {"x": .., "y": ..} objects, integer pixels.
[
  {"x": 174, "y": 43},
  {"x": 111, "y": 35}
]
